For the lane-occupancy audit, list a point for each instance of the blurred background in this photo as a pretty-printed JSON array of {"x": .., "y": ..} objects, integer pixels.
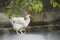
[{"x": 46, "y": 15}]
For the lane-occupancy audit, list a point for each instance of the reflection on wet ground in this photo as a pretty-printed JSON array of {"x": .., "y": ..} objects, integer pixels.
[{"x": 32, "y": 36}]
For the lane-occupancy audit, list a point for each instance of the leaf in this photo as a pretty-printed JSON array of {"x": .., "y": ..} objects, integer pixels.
[
  {"x": 10, "y": 5},
  {"x": 54, "y": 4},
  {"x": 58, "y": 5},
  {"x": 30, "y": 8},
  {"x": 24, "y": 4},
  {"x": 51, "y": 1}
]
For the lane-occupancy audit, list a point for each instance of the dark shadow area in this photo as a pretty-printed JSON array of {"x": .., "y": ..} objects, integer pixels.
[
  {"x": 42, "y": 23},
  {"x": 3, "y": 3}
]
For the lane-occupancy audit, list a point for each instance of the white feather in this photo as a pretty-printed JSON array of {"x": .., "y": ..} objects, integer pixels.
[{"x": 19, "y": 22}]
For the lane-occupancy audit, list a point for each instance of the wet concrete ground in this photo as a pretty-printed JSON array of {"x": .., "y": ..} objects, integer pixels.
[{"x": 32, "y": 36}]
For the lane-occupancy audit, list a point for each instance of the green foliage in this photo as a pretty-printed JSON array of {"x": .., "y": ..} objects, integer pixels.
[
  {"x": 32, "y": 5},
  {"x": 10, "y": 5},
  {"x": 54, "y": 3},
  {"x": 14, "y": 10},
  {"x": 24, "y": 4},
  {"x": 9, "y": 12},
  {"x": 35, "y": 5},
  {"x": 14, "y": 7}
]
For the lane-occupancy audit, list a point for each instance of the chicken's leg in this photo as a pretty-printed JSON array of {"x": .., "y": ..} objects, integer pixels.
[
  {"x": 18, "y": 33},
  {"x": 22, "y": 31}
]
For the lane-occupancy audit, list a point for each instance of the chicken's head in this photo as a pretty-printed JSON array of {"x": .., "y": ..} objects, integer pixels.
[{"x": 29, "y": 15}]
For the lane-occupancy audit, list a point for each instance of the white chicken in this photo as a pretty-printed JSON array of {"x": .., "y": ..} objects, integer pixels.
[{"x": 20, "y": 23}]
